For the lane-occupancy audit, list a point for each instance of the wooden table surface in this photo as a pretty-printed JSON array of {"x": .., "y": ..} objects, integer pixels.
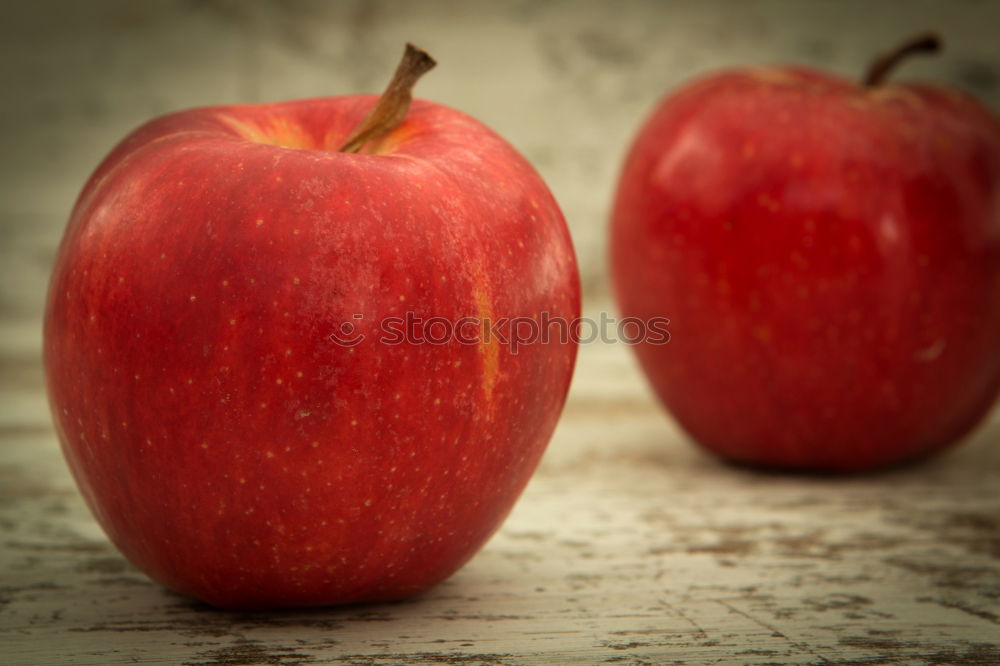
[{"x": 628, "y": 546}]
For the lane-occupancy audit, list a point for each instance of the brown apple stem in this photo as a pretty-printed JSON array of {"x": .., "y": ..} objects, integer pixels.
[
  {"x": 391, "y": 108},
  {"x": 926, "y": 42}
]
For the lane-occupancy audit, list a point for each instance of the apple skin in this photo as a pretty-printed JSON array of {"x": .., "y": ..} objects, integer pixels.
[
  {"x": 229, "y": 448},
  {"x": 829, "y": 258}
]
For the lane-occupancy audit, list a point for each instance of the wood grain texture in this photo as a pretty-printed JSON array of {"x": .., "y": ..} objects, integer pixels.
[{"x": 629, "y": 546}]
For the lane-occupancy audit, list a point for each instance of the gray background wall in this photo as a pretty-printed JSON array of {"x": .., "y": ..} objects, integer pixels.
[{"x": 566, "y": 82}]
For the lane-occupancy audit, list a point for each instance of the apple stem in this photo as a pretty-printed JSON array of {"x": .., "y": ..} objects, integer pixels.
[
  {"x": 926, "y": 42},
  {"x": 391, "y": 108}
]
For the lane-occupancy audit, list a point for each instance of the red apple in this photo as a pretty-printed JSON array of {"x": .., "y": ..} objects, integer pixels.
[
  {"x": 229, "y": 445},
  {"x": 829, "y": 257}
]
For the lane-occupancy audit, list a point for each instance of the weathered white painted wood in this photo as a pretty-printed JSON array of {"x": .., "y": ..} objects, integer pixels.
[{"x": 629, "y": 545}]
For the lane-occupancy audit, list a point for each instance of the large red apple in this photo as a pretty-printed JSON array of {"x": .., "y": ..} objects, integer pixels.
[
  {"x": 828, "y": 254},
  {"x": 226, "y": 423}
]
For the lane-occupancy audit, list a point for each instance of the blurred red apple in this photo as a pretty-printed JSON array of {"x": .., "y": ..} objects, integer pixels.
[
  {"x": 228, "y": 444},
  {"x": 829, "y": 256}
]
